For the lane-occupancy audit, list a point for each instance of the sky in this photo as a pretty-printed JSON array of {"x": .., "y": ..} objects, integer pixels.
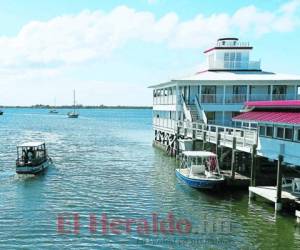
[{"x": 111, "y": 51}]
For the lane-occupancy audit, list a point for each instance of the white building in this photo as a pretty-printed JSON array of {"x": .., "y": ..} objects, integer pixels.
[{"x": 231, "y": 78}]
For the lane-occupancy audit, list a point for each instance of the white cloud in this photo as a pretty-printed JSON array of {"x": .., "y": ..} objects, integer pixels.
[
  {"x": 94, "y": 34},
  {"x": 41, "y": 51}
]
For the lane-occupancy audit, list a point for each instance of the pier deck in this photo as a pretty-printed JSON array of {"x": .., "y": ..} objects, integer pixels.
[
  {"x": 269, "y": 193},
  {"x": 238, "y": 181}
]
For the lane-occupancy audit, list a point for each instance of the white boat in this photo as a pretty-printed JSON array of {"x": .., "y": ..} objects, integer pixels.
[
  {"x": 73, "y": 114},
  {"x": 32, "y": 158},
  {"x": 200, "y": 169}
]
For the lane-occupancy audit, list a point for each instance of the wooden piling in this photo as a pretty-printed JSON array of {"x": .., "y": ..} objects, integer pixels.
[
  {"x": 253, "y": 165},
  {"x": 233, "y": 158},
  {"x": 278, "y": 204}
]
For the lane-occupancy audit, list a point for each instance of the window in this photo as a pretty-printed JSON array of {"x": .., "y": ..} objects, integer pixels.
[
  {"x": 298, "y": 135},
  {"x": 262, "y": 130},
  {"x": 269, "y": 131},
  {"x": 288, "y": 134},
  {"x": 245, "y": 124},
  {"x": 280, "y": 132},
  {"x": 238, "y": 124},
  {"x": 226, "y": 56},
  {"x": 253, "y": 125}
]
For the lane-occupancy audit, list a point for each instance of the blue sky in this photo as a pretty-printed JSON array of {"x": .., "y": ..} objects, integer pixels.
[{"x": 110, "y": 51}]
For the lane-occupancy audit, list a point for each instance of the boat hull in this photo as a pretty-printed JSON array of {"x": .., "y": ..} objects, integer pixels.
[
  {"x": 203, "y": 183},
  {"x": 33, "y": 169},
  {"x": 73, "y": 115}
]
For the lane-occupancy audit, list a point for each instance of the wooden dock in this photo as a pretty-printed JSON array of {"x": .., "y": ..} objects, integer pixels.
[
  {"x": 270, "y": 193},
  {"x": 238, "y": 181}
]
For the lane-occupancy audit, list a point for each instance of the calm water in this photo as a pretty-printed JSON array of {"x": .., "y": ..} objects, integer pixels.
[{"x": 105, "y": 164}]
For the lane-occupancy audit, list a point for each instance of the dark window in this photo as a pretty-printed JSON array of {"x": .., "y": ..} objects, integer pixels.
[
  {"x": 238, "y": 124},
  {"x": 288, "y": 134},
  {"x": 269, "y": 132},
  {"x": 298, "y": 134},
  {"x": 246, "y": 124},
  {"x": 253, "y": 125},
  {"x": 280, "y": 132},
  {"x": 262, "y": 130}
]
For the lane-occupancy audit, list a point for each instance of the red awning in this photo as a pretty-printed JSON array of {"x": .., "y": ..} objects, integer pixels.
[{"x": 270, "y": 117}]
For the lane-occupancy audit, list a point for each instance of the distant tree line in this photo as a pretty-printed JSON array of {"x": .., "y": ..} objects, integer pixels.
[{"x": 41, "y": 106}]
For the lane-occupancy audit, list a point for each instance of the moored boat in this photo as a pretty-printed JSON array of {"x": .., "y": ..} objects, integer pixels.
[
  {"x": 73, "y": 114},
  {"x": 200, "y": 169},
  {"x": 32, "y": 158},
  {"x": 53, "y": 111}
]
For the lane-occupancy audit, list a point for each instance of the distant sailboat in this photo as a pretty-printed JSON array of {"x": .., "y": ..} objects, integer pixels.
[
  {"x": 73, "y": 114},
  {"x": 53, "y": 111}
]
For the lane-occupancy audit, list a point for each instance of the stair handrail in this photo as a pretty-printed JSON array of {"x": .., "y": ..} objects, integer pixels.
[
  {"x": 186, "y": 111},
  {"x": 200, "y": 110}
]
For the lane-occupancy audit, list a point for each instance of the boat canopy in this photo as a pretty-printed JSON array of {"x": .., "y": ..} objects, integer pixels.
[
  {"x": 31, "y": 144},
  {"x": 198, "y": 154}
]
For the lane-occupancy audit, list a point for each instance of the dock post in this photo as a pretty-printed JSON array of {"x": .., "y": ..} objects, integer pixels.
[
  {"x": 297, "y": 213},
  {"x": 218, "y": 150},
  {"x": 204, "y": 141},
  {"x": 253, "y": 165},
  {"x": 233, "y": 158},
  {"x": 278, "y": 204},
  {"x": 177, "y": 142}
]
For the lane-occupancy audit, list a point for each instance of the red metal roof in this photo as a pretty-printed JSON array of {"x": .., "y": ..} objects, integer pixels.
[
  {"x": 270, "y": 117},
  {"x": 290, "y": 103}
]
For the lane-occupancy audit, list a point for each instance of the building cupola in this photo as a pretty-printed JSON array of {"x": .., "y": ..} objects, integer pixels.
[{"x": 230, "y": 54}]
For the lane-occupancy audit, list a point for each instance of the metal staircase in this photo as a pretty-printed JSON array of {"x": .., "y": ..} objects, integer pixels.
[{"x": 194, "y": 113}]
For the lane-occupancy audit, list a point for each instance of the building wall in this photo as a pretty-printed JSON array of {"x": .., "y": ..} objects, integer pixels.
[{"x": 169, "y": 99}]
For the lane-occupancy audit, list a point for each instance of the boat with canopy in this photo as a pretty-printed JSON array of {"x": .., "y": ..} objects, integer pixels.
[
  {"x": 199, "y": 169},
  {"x": 32, "y": 158}
]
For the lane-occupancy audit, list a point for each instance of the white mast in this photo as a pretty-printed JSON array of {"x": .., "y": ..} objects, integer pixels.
[{"x": 74, "y": 99}]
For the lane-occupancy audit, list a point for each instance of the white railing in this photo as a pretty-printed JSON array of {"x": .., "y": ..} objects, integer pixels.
[
  {"x": 186, "y": 111},
  {"x": 232, "y": 44},
  {"x": 245, "y": 138},
  {"x": 200, "y": 110},
  {"x": 165, "y": 100},
  {"x": 164, "y": 123}
]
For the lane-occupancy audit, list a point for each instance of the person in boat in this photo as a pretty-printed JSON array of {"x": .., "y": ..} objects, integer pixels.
[
  {"x": 24, "y": 155},
  {"x": 30, "y": 154}
]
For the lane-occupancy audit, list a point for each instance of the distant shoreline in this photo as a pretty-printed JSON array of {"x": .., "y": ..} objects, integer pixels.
[{"x": 79, "y": 107}]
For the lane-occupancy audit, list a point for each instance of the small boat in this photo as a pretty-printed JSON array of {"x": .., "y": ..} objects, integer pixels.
[
  {"x": 200, "y": 169},
  {"x": 73, "y": 114},
  {"x": 53, "y": 111},
  {"x": 32, "y": 158},
  {"x": 1, "y": 112}
]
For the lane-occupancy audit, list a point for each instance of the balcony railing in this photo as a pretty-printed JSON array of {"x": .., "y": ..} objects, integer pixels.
[
  {"x": 212, "y": 98},
  {"x": 234, "y": 65},
  {"x": 259, "y": 97},
  {"x": 165, "y": 100},
  {"x": 283, "y": 97},
  {"x": 235, "y": 98}
]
